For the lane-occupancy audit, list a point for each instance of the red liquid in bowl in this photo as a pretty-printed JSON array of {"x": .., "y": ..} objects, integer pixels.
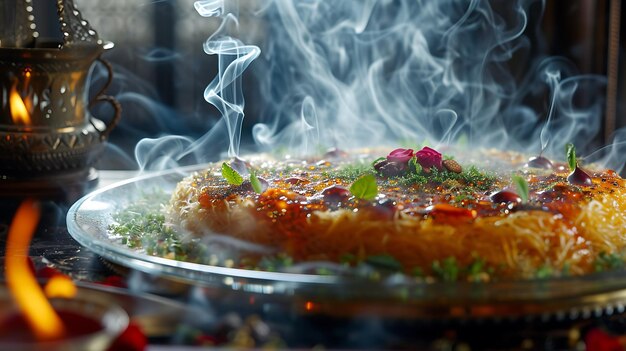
[{"x": 15, "y": 329}]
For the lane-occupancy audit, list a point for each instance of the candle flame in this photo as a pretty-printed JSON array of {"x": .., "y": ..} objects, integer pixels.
[
  {"x": 60, "y": 286},
  {"x": 20, "y": 279},
  {"x": 19, "y": 112}
]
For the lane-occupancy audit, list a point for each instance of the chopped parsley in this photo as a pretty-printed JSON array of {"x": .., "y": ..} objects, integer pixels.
[
  {"x": 142, "y": 225},
  {"x": 608, "y": 261},
  {"x": 446, "y": 270},
  {"x": 470, "y": 177},
  {"x": 275, "y": 263},
  {"x": 544, "y": 272},
  {"x": 477, "y": 271},
  {"x": 349, "y": 172}
]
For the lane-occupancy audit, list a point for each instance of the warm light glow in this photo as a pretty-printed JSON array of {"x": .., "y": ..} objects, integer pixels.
[
  {"x": 60, "y": 286},
  {"x": 19, "y": 113},
  {"x": 308, "y": 306},
  {"x": 20, "y": 279}
]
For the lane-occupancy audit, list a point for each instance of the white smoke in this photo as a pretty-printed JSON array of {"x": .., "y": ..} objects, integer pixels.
[
  {"x": 225, "y": 92},
  {"x": 351, "y": 74},
  {"x": 390, "y": 72}
]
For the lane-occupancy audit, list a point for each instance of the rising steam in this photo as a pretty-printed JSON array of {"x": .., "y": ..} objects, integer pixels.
[
  {"x": 224, "y": 92},
  {"x": 352, "y": 74},
  {"x": 377, "y": 72}
]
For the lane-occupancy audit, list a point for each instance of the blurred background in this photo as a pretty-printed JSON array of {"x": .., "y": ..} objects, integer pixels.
[{"x": 161, "y": 70}]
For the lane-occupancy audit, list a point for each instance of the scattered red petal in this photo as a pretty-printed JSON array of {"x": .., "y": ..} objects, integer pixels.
[
  {"x": 47, "y": 272},
  {"x": 599, "y": 340},
  {"x": 206, "y": 340},
  {"x": 132, "y": 339},
  {"x": 115, "y": 281}
]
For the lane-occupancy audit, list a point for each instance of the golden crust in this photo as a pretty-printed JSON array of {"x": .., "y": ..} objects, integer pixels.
[{"x": 570, "y": 234}]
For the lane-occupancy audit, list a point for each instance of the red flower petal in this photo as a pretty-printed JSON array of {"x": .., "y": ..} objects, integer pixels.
[
  {"x": 132, "y": 339},
  {"x": 400, "y": 155},
  {"x": 115, "y": 281},
  {"x": 47, "y": 272},
  {"x": 597, "y": 339},
  {"x": 428, "y": 158}
]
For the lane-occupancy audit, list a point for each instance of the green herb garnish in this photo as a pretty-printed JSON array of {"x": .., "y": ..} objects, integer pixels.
[
  {"x": 418, "y": 272},
  {"x": 565, "y": 271},
  {"x": 385, "y": 262},
  {"x": 570, "y": 151},
  {"x": 469, "y": 177},
  {"x": 142, "y": 225},
  {"x": 231, "y": 176},
  {"x": 365, "y": 187},
  {"x": 347, "y": 258},
  {"x": 522, "y": 187},
  {"x": 378, "y": 160},
  {"x": 276, "y": 263},
  {"x": 476, "y": 269},
  {"x": 608, "y": 261},
  {"x": 255, "y": 182},
  {"x": 414, "y": 166},
  {"x": 448, "y": 270},
  {"x": 349, "y": 172},
  {"x": 544, "y": 272}
]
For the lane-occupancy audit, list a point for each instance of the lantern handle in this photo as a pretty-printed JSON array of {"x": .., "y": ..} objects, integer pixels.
[{"x": 101, "y": 97}]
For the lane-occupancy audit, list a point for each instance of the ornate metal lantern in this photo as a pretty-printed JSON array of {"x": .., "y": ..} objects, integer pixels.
[{"x": 49, "y": 141}]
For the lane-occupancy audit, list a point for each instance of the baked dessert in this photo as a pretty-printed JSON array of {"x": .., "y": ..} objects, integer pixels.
[{"x": 490, "y": 215}]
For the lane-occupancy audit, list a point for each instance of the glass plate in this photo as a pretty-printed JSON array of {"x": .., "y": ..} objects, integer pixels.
[{"x": 89, "y": 218}]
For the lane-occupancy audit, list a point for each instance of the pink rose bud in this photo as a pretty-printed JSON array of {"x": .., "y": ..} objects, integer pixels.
[
  {"x": 400, "y": 155},
  {"x": 428, "y": 158}
]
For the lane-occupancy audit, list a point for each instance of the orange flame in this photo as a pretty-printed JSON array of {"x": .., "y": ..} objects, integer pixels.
[
  {"x": 19, "y": 112},
  {"x": 20, "y": 279},
  {"x": 60, "y": 286}
]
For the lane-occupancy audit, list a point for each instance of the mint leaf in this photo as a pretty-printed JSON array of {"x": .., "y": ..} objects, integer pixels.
[
  {"x": 570, "y": 151},
  {"x": 365, "y": 187},
  {"x": 231, "y": 176},
  {"x": 255, "y": 182},
  {"x": 414, "y": 166},
  {"x": 522, "y": 187}
]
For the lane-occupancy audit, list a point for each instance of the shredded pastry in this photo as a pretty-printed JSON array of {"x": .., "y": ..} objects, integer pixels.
[{"x": 423, "y": 216}]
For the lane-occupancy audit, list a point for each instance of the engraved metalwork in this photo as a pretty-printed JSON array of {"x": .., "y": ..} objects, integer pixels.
[{"x": 61, "y": 137}]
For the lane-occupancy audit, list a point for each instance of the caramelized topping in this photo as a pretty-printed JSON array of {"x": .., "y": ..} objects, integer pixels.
[
  {"x": 448, "y": 211},
  {"x": 299, "y": 190}
]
